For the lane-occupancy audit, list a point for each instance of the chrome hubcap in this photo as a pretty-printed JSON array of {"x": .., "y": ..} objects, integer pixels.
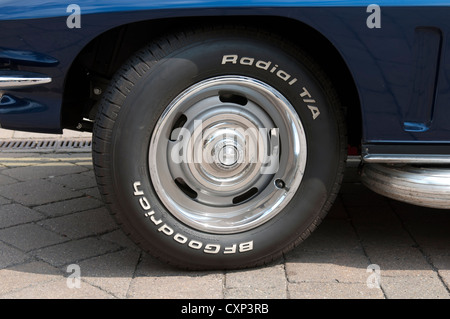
[{"x": 227, "y": 154}]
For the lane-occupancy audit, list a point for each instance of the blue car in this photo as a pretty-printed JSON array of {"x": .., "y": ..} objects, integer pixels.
[{"x": 221, "y": 129}]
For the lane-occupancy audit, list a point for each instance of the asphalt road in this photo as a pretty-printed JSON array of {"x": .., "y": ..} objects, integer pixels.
[{"x": 57, "y": 240}]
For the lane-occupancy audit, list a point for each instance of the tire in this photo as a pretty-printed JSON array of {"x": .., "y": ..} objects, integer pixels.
[{"x": 247, "y": 184}]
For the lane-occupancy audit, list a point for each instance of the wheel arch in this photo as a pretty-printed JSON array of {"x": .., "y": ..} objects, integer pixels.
[{"x": 97, "y": 62}]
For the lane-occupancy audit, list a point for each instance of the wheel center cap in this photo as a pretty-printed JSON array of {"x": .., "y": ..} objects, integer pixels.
[{"x": 228, "y": 155}]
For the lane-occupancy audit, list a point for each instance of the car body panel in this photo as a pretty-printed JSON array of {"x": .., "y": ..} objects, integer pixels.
[
  {"x": 401, "y": 70},
  {"x": 28, "y": 9}
]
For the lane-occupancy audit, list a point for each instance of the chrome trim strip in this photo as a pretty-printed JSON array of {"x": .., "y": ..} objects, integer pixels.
[
  {"x": 407, "y": 158},
  {"x": 10, "y": 79}
]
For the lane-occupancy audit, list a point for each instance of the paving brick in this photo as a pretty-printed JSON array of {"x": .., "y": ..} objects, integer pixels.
[
  {"x": 331, "y": 234},
  {"x": 119, "y": 237},
  {"x": 177, "y": 287},
  {"x": 374, "y": 215},
  {"x": 338, "y": 210},
  {"x": 75, "y": 251},
  {"x": 82, "y": 224},
  {"x": 10, "y": 256},
  {"x": 169, "y": 283},
  {"x": 92, "y": 192},
  {"x": 442, "y": 266},
  {"x": 14, "y": 214},
  {"x": 27, "y": 275},
  {"x": 427, "y": 286},
  {"x": 428, "y": 227},
  {"x": 399, "y": 261},
  {"x": 29, "y": 237},
  {"x": 59, "y": 290},
  {"x": 260, "y": 283},
  {"x": 69, "y": 206},
  {"x": 75, "y": 181},
  {"x": 37, "y": 192},
  {"x": 48, "y": 171},
  {"x": 356, "y": 194},
  {"x": 328, "y": 290},
  {"x": 6, "y": 180},
  {"x": 111, "y": 272},
  {"x": 327, "y": 266},
  {"x": 383, "y": 236},
  {"x": 376, "y": 227},
  {"x": 4, "y": 200}
]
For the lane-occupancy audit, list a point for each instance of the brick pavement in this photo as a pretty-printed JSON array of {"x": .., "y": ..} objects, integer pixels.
[{"x": 51, "y": 216}]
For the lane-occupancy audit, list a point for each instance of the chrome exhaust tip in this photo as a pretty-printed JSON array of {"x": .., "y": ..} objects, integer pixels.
[{"x": 427, "y": 186}]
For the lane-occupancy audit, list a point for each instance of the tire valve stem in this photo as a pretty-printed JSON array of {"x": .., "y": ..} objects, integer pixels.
[{"x": 279, "y": 183}]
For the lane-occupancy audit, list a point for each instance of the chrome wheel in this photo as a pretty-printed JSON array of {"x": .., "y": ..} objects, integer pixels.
[{"x": 227, "y": 154}]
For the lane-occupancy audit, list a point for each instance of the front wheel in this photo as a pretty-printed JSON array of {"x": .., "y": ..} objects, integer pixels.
[{"x": 219, "y": 149}]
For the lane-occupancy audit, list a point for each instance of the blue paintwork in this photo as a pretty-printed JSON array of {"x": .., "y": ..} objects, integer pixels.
[
  {"x": 380, "y": 60},
  {"x": 13, "y": 9},
  {"x": 13, "y": 105},
  {"x": 26, "y": 57}
]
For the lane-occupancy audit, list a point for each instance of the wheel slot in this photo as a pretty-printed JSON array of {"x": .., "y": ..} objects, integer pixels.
[
  {"x": 185, "y": 188},
  {"x": 227, "y": 97},
  {"x": 179, "y": 123},
  {"x": 246, "y": 196}
]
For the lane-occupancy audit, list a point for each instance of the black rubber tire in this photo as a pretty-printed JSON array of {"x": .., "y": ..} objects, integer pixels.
[{"x": 143, "y": 88}]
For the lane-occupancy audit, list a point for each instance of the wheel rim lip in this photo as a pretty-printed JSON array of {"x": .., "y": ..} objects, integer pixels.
[{"x": 242, "y": 217}]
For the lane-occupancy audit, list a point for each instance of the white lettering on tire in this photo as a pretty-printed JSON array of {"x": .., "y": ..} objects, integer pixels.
[
  {"x": 165, "y": 229},
  {"x": 283, "y": 75}
]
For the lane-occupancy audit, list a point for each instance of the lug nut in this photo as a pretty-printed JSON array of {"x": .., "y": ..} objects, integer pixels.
[
  {"x": 97, "y": 91},
  {"x": 279, "y": 183}
]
